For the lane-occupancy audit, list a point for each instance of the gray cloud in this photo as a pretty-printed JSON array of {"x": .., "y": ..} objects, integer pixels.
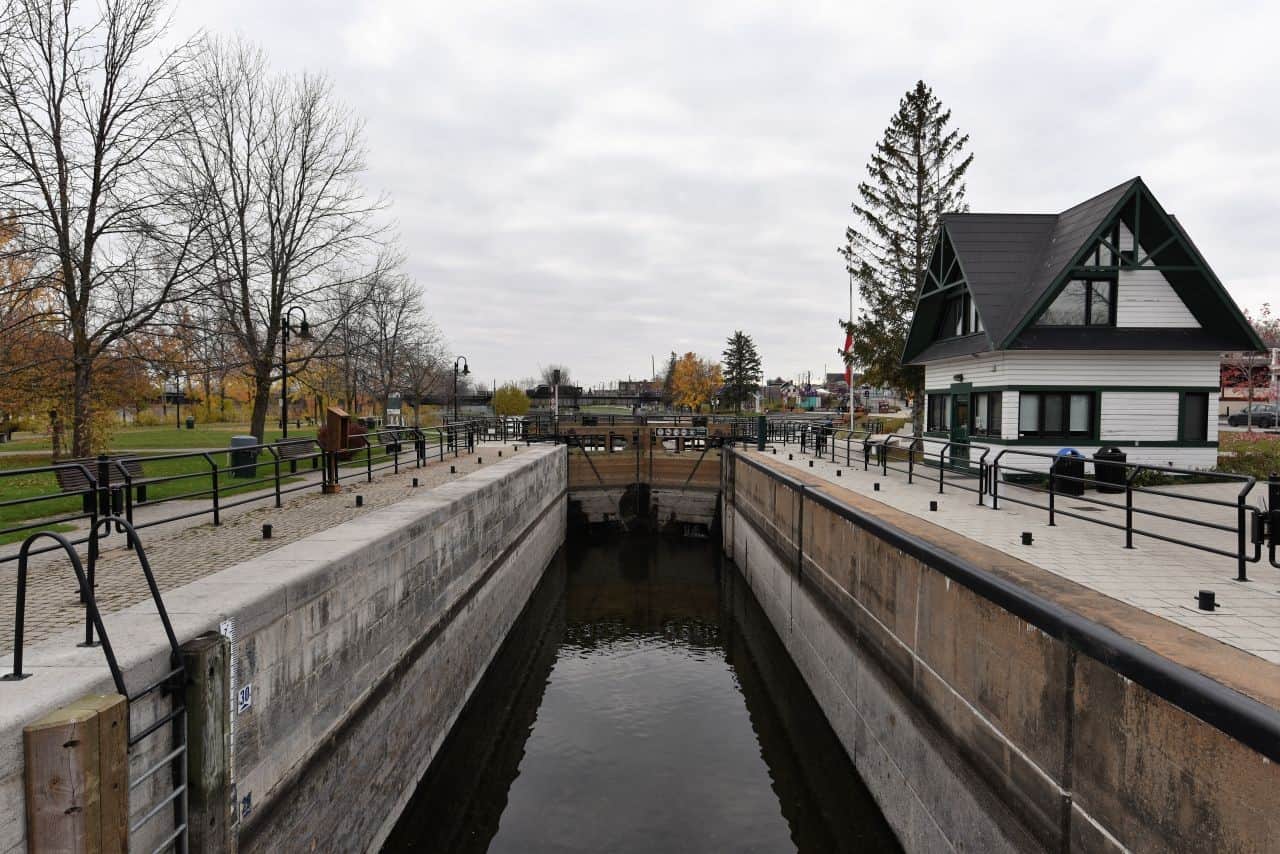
[{"x": 592, "y": 183}]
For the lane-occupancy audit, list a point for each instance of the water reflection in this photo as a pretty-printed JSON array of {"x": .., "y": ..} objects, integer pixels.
[{"x": 642, "y": 703}]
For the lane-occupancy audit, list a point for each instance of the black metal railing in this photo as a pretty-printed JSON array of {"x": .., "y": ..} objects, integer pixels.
[{"x": 982, "y": 470}]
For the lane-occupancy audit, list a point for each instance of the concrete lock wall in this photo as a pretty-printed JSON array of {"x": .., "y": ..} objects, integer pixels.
[
  {"x": 983, "y": 729},
  {"x": 354, "y": 652}
]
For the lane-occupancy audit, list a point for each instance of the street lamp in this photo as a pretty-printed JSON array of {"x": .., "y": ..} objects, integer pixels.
[
  {"x": 460, "y": 361},
  {"x": 304, "y": 331}
]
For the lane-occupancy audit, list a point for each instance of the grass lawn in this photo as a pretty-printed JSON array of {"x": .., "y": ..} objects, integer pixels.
[
  {"x": 1257, "y": 454},
  {"x": 45, "y": 483},
  {"x": 211, "y": 436}
]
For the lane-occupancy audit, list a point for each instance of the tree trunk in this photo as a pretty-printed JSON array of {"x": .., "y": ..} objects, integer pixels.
[
  {"x": 82, "y": 408},
  {"x": 261, "y": 400}
]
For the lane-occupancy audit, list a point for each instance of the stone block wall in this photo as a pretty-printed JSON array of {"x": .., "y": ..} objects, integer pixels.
[
  {"x": 358, "y": 646},
  {"x": 975, "y": 726}
]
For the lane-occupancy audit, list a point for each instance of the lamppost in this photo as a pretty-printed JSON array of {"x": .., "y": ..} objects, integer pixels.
[
  {"x": 460, "y": 361},
  {"x": 304, "y": 331}
]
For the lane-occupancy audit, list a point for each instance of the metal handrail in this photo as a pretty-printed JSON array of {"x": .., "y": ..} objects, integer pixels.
[{"x": 1243, "y": 511}]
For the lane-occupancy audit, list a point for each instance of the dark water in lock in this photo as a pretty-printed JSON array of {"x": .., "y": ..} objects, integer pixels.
[{"x": 642, "y": 703}]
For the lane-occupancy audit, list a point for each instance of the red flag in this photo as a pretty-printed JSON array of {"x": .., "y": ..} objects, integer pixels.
[{"x": 848, "y": 365}]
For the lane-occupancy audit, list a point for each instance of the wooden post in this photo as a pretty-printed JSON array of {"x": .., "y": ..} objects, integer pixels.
[
  {"x": 207, "y": 660},
  {"x": 77, "y": 777}
]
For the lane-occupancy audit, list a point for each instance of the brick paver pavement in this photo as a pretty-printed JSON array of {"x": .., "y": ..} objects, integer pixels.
[
  {"x": 1159, "y": 577},
  {"x": 183, "y": 552}
]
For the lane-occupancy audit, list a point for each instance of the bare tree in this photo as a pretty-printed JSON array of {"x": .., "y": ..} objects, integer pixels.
[
  {"x": 423, "y": 367},
  {"x": 87, "y": 123},
  {"x": 280, "y": 160},
  {"x": 394, "y": 311}
]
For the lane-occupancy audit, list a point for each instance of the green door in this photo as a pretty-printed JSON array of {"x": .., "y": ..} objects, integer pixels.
[{"x": 960, "y": 420}]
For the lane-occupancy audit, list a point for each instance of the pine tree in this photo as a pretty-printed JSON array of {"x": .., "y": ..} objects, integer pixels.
[
  {"x": 668, "y": 382},
  {"x": 915, "y": 175},
  {"x": 741, "y": 370}
]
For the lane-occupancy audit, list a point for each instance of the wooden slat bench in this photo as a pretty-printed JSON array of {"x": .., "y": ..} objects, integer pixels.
[
  {"x": 294, "y": 450},
  {"x": 74, "y": 479}
]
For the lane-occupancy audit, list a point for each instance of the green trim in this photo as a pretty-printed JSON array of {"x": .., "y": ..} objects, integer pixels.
[{"x": 1077, "y": 387}]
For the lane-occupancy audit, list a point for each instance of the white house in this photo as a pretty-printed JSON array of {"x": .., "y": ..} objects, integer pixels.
[{"x": 1101, "y": 325}]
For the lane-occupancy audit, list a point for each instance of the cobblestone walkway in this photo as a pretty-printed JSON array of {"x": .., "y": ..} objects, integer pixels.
[
  {"x": 181, "y": 554},
  {"x": 1159, "y": 577}
]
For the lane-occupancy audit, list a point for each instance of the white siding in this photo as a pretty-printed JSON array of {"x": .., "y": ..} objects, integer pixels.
[
  {"x": 1144, "y": 416},
  {"x": 1145, "y": 298},
  {"x": 1009, "y": 415},
  {"x": 1213, "y": 417},
  {"x": 1079, "y": 368}
]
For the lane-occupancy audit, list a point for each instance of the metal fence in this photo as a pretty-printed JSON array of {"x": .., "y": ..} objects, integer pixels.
[{"x": 1042, "y": 481}]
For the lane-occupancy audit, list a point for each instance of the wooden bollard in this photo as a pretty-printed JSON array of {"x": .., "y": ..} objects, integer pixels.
[
  {"x": 77, "y": 777},
  {"x": 207, "y": 660}
]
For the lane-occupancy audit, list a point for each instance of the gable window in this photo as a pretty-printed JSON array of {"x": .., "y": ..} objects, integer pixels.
[
  {"x": 1083, "y": 302},
  {"x": 1194, "y": 419},
  {"x": 939, "y": 417},
  {"x": 1056, "y": 415},
  {"x": 959, "y": 317}
]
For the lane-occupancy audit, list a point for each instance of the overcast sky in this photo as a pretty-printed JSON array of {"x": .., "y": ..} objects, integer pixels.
[{"x": 594, "y": 183}]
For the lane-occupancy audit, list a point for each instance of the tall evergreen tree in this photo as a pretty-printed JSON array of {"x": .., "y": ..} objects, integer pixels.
[
  {"x": 741, "y": 370},
  {"x": 915, "y": 175},
  {"x": 668, "y": 381}
]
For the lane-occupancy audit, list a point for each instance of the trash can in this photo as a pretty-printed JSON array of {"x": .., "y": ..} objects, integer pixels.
[
  {"x": 590, "y": 421},
  {"x": 191, "y": 422},
  {"x": 244, "y": 457},
  {"x": 1108, "y": 469},
  {"x": 1067, "y": 472}
]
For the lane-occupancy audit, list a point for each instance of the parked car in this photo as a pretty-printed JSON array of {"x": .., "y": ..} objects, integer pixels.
[{"x": 1262, "y": 415}]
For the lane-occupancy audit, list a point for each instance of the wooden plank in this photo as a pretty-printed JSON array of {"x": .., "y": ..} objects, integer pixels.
[
  {"x": 112, "y": 715},
  {"x": 207, "y": 659},
  {"x": 64, "y": 806}
]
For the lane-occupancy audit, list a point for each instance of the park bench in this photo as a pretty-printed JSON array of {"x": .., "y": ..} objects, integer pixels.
[
  {"x": 74, "y": 480},
  {"x": 294, "y": 450}
]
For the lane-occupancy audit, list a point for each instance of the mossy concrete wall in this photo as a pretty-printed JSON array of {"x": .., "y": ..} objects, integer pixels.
[
  {"x": 974, "y": 727},
  {"x": 358, "y": 646}
]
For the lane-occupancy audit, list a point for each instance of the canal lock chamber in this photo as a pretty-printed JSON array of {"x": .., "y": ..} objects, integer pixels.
[{"x": 641, "y": 702}]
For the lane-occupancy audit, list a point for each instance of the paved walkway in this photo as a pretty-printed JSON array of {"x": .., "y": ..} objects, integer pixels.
[
  {"x": 183, "y": 551},
  {"x": 1159, "y": 577}
]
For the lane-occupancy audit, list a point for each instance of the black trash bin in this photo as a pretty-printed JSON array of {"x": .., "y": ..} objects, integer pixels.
[
  {"x": 191, "y": 422},
  {"x": 1108, "y": 469},
  {"x": 590, "y": 421},
  {"x": 244, "y": 460},
  {"x": 1067, "y": 472}
]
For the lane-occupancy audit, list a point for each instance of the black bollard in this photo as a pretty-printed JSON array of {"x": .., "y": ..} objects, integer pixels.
[
  {"x": 266, "y": 532},
  {"x": 1027, "y": 539},
  {"x": 359, "y": 500}
]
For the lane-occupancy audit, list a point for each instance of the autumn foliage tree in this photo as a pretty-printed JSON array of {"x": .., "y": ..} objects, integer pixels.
[
  {"x": 510, "y": 399},
  {"x": 694, "y": 381}
]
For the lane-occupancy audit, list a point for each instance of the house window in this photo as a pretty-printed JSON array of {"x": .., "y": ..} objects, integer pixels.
[
  {"x": 1195, "y": 417},
  {"x": 1066, "y": 414},
  {"x": 986, "y": 414},
  {"x": 959, "y": 317},
  {"x": 1082, "y": 303},
  {"x": 939, "y": 412}
]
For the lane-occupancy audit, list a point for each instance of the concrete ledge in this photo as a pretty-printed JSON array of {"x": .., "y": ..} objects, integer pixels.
[
  {"x": 996, "y": 702},
  {"x": 359, "y": 643}
]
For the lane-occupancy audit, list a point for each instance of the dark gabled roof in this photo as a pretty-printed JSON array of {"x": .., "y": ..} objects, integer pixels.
[
  {"x": 999, "y": 253},
  {"x": 1013, "y": 265},
  {"x": 1072, "y": 231}
]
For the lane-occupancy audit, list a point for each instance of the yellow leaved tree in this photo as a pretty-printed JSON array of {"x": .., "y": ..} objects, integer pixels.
[{"x": 695, "y": 381}]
